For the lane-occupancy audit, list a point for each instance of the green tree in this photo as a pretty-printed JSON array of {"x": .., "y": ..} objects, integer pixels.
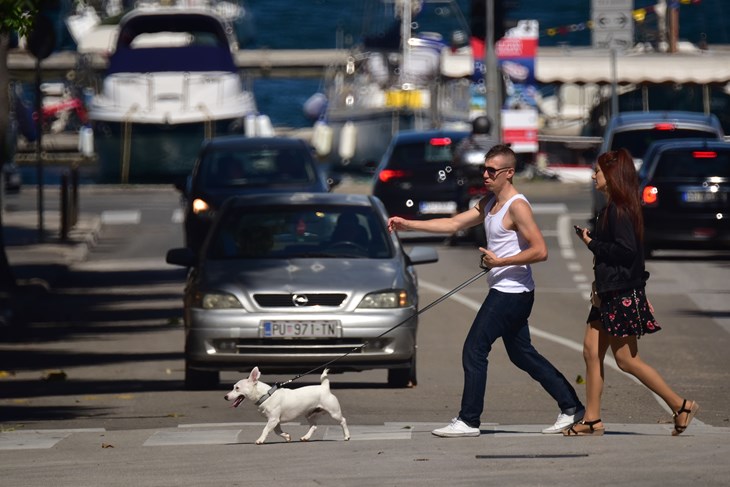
[{"x": 15, "y": 16}]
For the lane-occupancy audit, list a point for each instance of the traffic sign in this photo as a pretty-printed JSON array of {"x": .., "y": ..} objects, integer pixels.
[{"x": 613, "y": 25}]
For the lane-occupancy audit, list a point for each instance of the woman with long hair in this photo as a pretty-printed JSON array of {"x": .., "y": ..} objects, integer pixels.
[{"x": 620, "y": 312}]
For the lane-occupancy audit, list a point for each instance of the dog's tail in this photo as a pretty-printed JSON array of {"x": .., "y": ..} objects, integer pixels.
[{"x": 324, "y": 378}]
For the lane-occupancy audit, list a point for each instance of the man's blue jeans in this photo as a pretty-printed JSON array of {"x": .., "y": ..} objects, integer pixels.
[{"x": 505, "y": 315}]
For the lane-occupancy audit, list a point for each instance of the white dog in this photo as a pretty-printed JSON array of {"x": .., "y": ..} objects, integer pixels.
[{"x": 281, "y": 405}]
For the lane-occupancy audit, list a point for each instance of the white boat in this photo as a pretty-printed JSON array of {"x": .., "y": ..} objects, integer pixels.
[
  {"x": 171, "y": 82},
  {"x": 411, "y": 71}
]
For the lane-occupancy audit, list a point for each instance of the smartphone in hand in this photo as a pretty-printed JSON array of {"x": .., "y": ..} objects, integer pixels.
[{"x": 579, "y": 231}]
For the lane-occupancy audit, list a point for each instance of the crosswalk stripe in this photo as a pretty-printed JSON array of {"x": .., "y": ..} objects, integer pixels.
[
  {"x": 359, "y": 433},
  {"x": 121, "y": 217},
  {"x": 37, "y": 439},
  {"x": 192, "y": 437}
]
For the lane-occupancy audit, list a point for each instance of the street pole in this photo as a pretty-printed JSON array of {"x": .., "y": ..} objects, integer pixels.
[
  {"x": 492, "y": 78},
  {"x": 39, "y": 149}
]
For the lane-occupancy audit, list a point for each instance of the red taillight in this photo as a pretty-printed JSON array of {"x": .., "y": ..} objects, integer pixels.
[
  {"x": 476, "y": 191},
  {"x": 441, "y": 141},
  {"x": 388, "y": 174},
  {"x": 704, "y": 154},
  {"x": 665, "y": 126},
  {"x": 650, "y": 195}
]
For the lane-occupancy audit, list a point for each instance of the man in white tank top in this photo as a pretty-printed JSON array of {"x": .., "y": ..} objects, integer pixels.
[{"x": 514, "y": 242}]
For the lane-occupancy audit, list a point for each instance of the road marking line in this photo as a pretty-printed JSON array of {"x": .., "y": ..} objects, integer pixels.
[
  {"x": 365, "y": 433},
  {"x": 38, "y": 439},
  {"x": 148, "y": 264},
  {"x": 574, "y": 267},
  {"x": 178, "y": 216},
  {"x": 192, "y": 437},
  {"x": 121, "y": 217},
  {"x": 549, "y": 208}
]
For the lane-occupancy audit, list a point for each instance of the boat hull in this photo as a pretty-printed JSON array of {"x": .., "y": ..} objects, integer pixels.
[{"x": 153, "y": 153}]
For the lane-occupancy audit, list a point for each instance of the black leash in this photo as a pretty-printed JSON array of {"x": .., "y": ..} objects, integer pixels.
[{"x": 355, "y": 349}]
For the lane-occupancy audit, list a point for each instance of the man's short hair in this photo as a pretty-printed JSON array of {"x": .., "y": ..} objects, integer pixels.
[{"x": 502, "y": 150}]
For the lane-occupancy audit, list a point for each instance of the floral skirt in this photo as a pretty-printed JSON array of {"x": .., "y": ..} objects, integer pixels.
[{"x": 625, "y": 313}]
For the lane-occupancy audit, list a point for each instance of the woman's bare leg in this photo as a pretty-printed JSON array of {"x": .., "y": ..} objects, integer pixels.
[
  {"x": 595, "y": 345},
  {"x": 626, "y": 352}
]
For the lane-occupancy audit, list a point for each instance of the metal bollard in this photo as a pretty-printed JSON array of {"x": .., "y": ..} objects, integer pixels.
[
  {"x": 64, "y": 207},
  {"x": 74, "y": 195}
]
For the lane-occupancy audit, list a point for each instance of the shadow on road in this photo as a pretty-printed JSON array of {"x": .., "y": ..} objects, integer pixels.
[{"x": 80, "y": 326}]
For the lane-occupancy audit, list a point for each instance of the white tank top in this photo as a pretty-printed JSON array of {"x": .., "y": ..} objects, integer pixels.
[{"x": 505, "y": 243}]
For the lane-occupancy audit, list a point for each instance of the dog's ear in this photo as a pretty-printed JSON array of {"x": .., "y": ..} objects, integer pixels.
[{"x": 254, "y": 375}]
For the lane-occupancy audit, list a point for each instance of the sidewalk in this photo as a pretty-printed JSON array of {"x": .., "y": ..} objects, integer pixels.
[{"x": 37, "y": 265}]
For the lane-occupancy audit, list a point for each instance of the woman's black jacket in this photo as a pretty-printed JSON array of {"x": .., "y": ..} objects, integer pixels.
[{"x": 619, "y": 255}]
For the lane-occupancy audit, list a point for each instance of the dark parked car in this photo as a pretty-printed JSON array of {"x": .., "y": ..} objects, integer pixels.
[
  {"x": 636, "y": 131},
  {"x": 421, "y": 177},
  {"x": 234, "y": 165},
  {"x": 289, "y": 282},
  {"x": 685, "y": 191}
]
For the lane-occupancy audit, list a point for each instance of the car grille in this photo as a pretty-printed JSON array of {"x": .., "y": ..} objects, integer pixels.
[
  {"x": 288, "y": 300},
  {"x": 299, "y": 346}
]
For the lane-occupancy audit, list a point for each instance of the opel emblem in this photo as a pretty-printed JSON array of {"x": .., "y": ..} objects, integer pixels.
[{"x": 299, "y": 300}]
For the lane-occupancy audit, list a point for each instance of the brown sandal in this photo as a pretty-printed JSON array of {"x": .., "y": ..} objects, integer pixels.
[
  {"x": 679, "y": 428},
  {"x": 590, "y": 431}
]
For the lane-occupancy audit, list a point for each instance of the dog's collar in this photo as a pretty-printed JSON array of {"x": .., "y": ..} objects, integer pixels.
[{"x": 268, "y": 394}]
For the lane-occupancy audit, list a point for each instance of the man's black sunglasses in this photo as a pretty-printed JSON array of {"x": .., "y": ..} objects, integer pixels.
[{"x": 493, "y": 171}]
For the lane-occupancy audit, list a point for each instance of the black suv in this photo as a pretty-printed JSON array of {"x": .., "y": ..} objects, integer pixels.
[
  {"x": 685, "y": 192},
  {"x": 235, "y": 165}
]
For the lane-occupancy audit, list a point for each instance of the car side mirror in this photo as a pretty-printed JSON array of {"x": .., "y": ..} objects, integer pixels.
[
  {"x": 422, "y": 255},
  {"x": 184, "y": 257}
]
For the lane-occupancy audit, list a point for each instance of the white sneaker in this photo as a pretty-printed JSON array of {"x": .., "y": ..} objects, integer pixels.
[
  {"x": 456, "y": 429},
  {"x": 564, "y": 421}
]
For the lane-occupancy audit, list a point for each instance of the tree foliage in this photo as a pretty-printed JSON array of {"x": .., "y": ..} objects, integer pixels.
[{"x": 17, "y": 15}]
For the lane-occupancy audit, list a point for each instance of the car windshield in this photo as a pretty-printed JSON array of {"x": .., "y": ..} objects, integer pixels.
[
  {"x": 257, "y": 167},
  {"x": 289, "y": 232},
  {"x": 701, "y": 163},
  {"x": 637, "y": 141},
  {"x": 437, "y": 150}
]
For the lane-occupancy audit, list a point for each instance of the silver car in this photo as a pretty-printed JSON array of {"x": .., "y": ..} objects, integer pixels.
[{"x": 290, "y": 282}]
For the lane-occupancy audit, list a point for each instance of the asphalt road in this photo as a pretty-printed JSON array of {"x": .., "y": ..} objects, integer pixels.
[{"x": 95, "y": 395}]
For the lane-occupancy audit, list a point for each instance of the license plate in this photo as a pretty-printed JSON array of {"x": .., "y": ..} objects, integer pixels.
[
  {"x": 300, "y": 328},
  {"x": 703, "y": 197},
  {"x": 437, "y": 207}
]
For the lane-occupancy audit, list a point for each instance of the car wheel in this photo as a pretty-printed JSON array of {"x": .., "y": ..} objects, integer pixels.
[
  {"x": 405, "y": 377},
  {"x": 197, "y": 380}
]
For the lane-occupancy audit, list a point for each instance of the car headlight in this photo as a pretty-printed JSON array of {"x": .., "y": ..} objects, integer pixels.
[
  {"x": 200, "y": 206},
  {"x": 396, "y": 298},
  {"x": 218, "y": 301}
]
